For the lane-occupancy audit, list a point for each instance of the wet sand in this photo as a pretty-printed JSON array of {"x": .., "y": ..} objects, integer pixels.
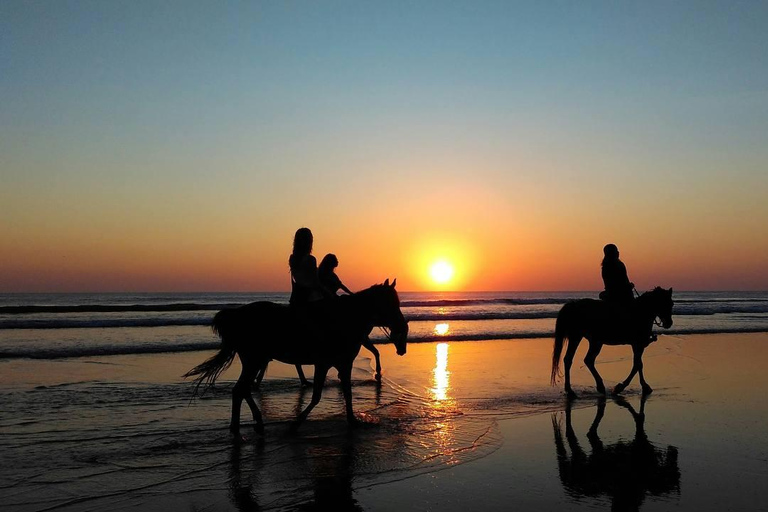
[{"x": 453, "y": 425}]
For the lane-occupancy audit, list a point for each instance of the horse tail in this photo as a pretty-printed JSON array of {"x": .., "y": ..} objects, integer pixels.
[
  {"x": 209, "y": 370},
  {"x": 563, "y": 318}
]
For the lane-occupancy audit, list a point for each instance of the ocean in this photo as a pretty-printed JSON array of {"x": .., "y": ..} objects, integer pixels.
[
  {"x": 95, "y": 413},
  {"x": 51, "y": 326}
]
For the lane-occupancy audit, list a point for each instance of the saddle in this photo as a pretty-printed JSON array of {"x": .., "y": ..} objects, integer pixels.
[{"x": 622, "y": 320}]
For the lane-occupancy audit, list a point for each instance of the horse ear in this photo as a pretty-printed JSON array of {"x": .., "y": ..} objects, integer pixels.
[
  {"x": 386, "y": 283},
  {"x": 670, "y": 292},
  {"x": 394, "y": 283}
]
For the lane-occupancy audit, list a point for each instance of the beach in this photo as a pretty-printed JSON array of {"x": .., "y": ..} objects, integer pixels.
[{"x": 453, "y": 425}]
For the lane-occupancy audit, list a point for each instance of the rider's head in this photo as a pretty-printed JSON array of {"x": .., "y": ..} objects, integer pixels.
[
  {"x": 330, "y": 262},
  {"x": 611, "y": 251},
  {"x": 302, "y": 241}
]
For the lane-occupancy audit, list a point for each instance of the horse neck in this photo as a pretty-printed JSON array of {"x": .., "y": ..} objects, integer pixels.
[
  {"x": 361, "y": 303},
  {"x": 647, "y": 305}
]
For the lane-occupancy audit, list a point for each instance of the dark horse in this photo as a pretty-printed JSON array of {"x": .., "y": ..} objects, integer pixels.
[
  {"x": 603, "y": 323},
  {"x": 625, "y": 471},
  {"x": 325, "y": 334}
]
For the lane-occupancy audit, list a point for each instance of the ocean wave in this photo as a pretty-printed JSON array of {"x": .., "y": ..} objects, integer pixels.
[
  {"x": 157, "y": 348},
  {"x": 683, "y": 306},
  {"x": 103, "y": 350},
  {"x": 126, "y": 308},
  {"x": 91, "y": 323},
  {"x": 113, "y": 308},
  {"x": 443, "y": 303},
  {"x": 64, "y": 322}
]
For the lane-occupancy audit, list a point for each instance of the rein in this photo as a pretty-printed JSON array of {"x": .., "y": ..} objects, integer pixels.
[
  {"x": 364, "y": 296},
  {"x": 656, "y": 320}
]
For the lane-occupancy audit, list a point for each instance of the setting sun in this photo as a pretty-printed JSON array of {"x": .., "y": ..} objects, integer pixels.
[{"x": 441, "y": 272}]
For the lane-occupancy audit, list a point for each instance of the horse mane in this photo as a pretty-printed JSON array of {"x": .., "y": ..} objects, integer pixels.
[
  {"x": 650, "y": 293},
  {"x": 369, "y": 292}
]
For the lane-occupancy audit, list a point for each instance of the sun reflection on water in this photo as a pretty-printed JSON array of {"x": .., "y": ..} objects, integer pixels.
[
  {"x": 441, "y": 374},
  {"x": 441, "y": 329}
]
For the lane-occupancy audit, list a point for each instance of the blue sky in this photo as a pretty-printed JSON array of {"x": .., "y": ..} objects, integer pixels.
[{"x": 120, "y": 112}]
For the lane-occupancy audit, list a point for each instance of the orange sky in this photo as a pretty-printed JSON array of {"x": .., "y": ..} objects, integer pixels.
[
  {"x": 171, "y": 156},
  {"x": 496, "y": 239}
]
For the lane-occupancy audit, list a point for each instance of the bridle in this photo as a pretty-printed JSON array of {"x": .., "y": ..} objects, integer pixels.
[{"x": 656, "y": 321}]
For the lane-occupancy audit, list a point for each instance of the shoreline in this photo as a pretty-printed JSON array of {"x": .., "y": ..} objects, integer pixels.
[
  {"x": 455, "y": 424},
  {"x": 52, "y": 355}
]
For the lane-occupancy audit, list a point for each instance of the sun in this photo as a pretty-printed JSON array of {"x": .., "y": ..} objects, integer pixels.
[{"x": 441, "y": 272}]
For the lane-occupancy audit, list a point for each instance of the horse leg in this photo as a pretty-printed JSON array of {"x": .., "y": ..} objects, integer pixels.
[
  {"x": 570, "y": 435},
  {"x": 258, "y": 422},
  {"x": 302, "y": 378},
  {"x": 317, "y": 390},
  {"x": 369, "y": 345},
  {"x": 260, "y": 375},
  {"x": 573, "y": 344},
  {"x": 647, "y": 390},
  {"x": 589, "y": 360},
  {"x": 637, "y": 365},
  {"x": 594, "y": 439},
  {"x": 242, "y": 390},
  {"x": 345, "y": 374}
]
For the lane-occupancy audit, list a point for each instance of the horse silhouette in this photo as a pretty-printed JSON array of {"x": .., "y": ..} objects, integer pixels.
[
  {"x": 625, "y": 471},
  {"x": 326, "y": 333},
  {"x": 366, "y": 343},
  {"x": 603, "y": 323}
]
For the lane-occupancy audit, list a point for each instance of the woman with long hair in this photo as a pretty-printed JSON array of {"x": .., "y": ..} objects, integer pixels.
[{"x": 305, "y": 285}]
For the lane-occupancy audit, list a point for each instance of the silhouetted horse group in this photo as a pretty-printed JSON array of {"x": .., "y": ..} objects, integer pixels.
[{"x": 329, "y": 333}]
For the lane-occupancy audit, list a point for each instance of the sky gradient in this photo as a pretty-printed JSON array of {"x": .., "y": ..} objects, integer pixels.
[{"x": 164, "y": 146}]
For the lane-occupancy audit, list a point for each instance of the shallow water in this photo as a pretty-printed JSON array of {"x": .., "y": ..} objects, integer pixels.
[{"x": 451, "y": 425}]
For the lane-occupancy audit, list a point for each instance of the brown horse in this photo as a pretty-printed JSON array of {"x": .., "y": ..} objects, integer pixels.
[
  {"x": 603, "y": 323},
  {"x": 325, "y": 334}
]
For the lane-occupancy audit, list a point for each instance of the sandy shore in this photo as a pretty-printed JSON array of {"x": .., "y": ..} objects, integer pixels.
[{"x": 453, "y": 426}]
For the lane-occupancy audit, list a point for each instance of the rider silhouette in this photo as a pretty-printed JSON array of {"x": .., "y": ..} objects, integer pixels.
[
  {"x": 328, "y": 278},
  {"x": 305, "y": 285},
  {"x": 332, "y": 284},
  {"x": 618, "y": 288}
]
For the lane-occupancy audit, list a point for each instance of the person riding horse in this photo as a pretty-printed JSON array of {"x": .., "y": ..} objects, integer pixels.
[
  {"x": 305, "y": 284},
  {"x": 618, "y": 288}
]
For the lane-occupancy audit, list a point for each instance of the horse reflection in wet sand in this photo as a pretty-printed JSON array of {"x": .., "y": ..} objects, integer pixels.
[
  {"x": 603, "y": 324},
  {"x": 326, "y": 333},
  {"x": 625, "y": 471}
]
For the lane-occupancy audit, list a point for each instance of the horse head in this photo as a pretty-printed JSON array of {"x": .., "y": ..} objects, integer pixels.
[
  {"x": 662, "y": 300},
  {"x": 387, "y": 313}
]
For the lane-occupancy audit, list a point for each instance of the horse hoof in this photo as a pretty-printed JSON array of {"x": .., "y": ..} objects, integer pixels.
[
  {"x": 618, "y": 389},
  {"x": 571, "y": 395},
  {"x": 258, "y": 428},
  {"x": 647, "y": 390}
]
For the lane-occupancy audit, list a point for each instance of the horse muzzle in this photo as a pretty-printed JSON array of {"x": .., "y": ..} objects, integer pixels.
[
  {"x": 666, "y": 323},
  {"x": 399, "y": 337}
]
